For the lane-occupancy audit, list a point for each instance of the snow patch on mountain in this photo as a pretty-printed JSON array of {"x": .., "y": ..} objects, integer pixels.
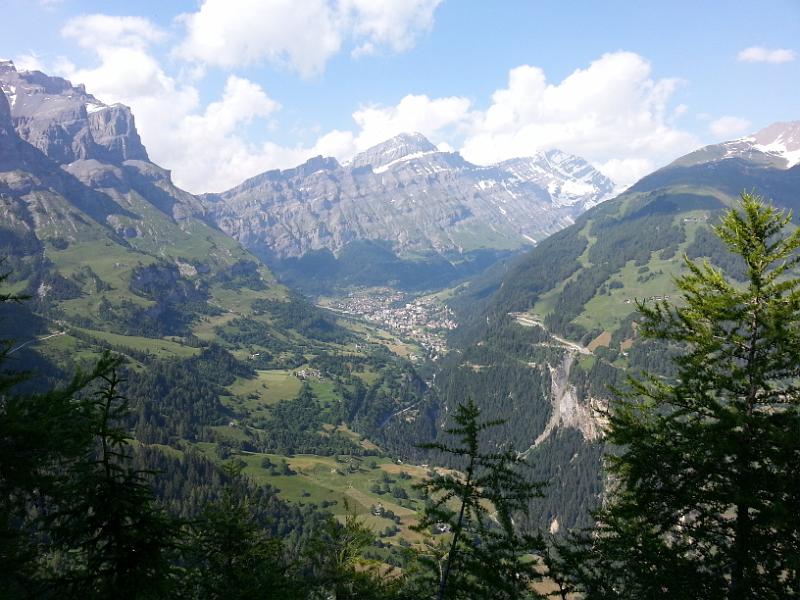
[
  {"x": 406, "y": 158},
  {"x": 93, "y": 107},
  {"x": 779, "y": 139},
  {"x": 11, "y": 93}
]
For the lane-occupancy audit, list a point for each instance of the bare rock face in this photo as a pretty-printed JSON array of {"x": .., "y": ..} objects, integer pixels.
[
  {"x": 113, "y": 129},
  {"x": 68, "y": 140},
  {"x": 386, "y": 153},
  {"x": 65, "y": 122},
  {"x": 7, "y": 134},
  {"x": 407, "y": 192}
]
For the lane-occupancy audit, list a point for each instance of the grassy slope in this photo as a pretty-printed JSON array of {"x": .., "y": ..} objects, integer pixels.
[{"x": 112, "y": 260}]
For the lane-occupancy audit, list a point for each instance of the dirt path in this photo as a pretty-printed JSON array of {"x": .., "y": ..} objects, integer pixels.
[
  {"x": 528, "y": 321},
  {"x": 39, "y": 339}
]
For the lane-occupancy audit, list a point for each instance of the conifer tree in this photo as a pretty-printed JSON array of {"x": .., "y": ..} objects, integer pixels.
[
  {"x": 340, "y": 570},
  {"x": 231, "y": 557},
  {"x": 114, "y": 541},
  {"x": 486, "y": 555},
  {"x": 705, "y": 489},
  {"x": 41, "y": 437}
]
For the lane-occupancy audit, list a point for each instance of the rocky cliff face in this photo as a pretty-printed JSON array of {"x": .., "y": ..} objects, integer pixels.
[
  {"x": 56, "y": 140},
  {"x": 7, "y": 133},
  {"x": 412, "y": 195},
  {"x": 65, "y": 122}
]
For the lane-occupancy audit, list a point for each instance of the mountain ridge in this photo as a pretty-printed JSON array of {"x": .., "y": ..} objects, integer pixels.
[{"x": 406, "y": 193}]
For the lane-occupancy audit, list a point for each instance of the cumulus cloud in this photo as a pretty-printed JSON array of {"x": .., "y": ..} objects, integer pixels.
[
  {"x": 300, "y": 35},
  {"x": 613, "y": 113},
  {"x": 435, "y": 118},
  {"x": 205, "y": 146},
  {"x": 395, "y": 24},
  {"x": 29, "y": 61},
  {"x": 103, "y": 31},
  {"x": 727, "y": 126},
  {"x": 760, "y": 54}
]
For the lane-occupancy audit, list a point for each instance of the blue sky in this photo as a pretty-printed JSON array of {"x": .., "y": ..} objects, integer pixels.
[{"x": 225, "y": 89}]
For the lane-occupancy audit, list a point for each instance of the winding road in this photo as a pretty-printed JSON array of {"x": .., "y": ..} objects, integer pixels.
[{"x": 39, "y": 339}]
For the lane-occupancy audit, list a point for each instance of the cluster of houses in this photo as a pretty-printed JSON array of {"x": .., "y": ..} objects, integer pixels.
[
  {"x": 422, "y": 320},
  {"x": 308, "y": 373},
  {"x": 650, "y": 299}
]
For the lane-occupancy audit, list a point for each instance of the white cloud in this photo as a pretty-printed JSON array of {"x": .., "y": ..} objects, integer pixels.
[
  {"x": 29, "y": 61},
  {"x": 759, "y": 54},
  {"x": 103, "y": 31},
  {"x": 204, "y": 146},
  {"x": 727, "y": 127},
  {"x": 612, "y": 113},
  {"x": 627, "y": 171},
  {"x": 223, "y": 33},
  {"x": 434, "y": 118},
  {"x": 395, "y": 24},
  {"x": 300, "y": 35}
]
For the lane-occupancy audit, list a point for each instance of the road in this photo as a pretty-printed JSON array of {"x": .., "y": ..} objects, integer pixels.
[
  {"x": 39, "y": 339},
  {"x": 529, "y": 321}
]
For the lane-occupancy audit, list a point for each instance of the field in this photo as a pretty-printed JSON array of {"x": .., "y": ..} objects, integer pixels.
[{"x": 344, "y": 485}]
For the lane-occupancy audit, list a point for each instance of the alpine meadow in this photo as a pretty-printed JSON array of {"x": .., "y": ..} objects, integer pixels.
[{"x": 399, "y": 300}]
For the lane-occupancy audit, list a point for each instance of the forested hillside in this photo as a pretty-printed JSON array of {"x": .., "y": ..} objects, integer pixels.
[
  {"x": 220, "y": 360},
  {"x": 567, "y": 312}
]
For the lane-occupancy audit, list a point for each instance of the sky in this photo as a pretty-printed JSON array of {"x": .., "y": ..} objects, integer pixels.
[{"x": 225, "y": 89}]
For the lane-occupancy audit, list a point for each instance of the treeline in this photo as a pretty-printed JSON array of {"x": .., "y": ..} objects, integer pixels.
[
  {"x": 81, "y": 516},
  {"x": 91, "y": 513}
]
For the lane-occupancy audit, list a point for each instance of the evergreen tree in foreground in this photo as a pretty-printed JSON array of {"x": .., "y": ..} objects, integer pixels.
[
  {"x": 116, "y": 542},
  {"x": 705, "y": 492},
  {"x": 486, "y": 557},
  {"x": 230, "y": 557},
  {"x": 41, "y": 436}
]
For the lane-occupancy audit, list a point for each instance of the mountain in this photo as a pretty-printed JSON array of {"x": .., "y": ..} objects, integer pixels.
[
  {"x": 408, "y": 206},
  {"x": 777, "y": 145},
  {"x": 114, "y": 255},
  {"x": 541, "y": 341},
  {"x": 630, "y": 246},
  {"x": 220, "y": 360}
]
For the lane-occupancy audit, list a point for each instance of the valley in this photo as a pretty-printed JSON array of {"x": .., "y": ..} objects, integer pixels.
[
  {"x": 308, "y": 340},
  {"x": 423, "y": 320}
]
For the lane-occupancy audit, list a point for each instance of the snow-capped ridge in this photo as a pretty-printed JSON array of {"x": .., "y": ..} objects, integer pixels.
[
  {"x": 568, "y": 179},
  {"x": 402, "y": 159},
  {"x": 779, "y": 139},
  {"x": 392, "y": 150}
]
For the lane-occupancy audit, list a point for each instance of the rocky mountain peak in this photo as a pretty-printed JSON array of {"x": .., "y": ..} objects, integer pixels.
[
  {"x": 781, "y": 139},
  {"x": 7, "y": 65},
  {"x": 408, "y": 194},
  {"x": 403, "y": 146},
  {"x": 568, "y": 179},
  {"x": 65, "y": 122}
]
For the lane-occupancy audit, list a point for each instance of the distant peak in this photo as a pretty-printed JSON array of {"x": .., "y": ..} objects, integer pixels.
[
  {"x": 411, "y": 138},
  {"x": 7, "y": 66},
  {"x": 787, "y": 132},
  {"x": 393, "y": 149},
  {"x": 781, "y": 139}
]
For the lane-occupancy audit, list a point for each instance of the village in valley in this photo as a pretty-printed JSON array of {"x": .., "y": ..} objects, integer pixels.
[{"x": 423, "y": 320}]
